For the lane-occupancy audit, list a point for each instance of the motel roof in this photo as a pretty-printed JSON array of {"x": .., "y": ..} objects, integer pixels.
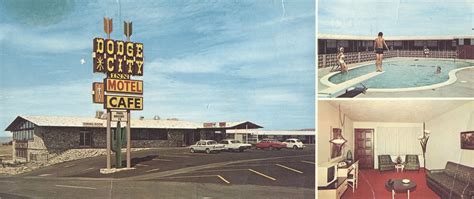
[
  {"x": 392, "y": 38},
  {"x": 66, "y": 121},
  {"x": 231, "y": 125},
  {"x": 265, "y": 132}
]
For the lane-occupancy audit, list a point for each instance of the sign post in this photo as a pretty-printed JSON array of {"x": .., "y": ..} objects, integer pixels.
[
  {"x": 129, "y": 162},
  {"x": 108, "y": 139},
  {"x": 119, "y": 94},
  {"x": 128, "y": 32}
]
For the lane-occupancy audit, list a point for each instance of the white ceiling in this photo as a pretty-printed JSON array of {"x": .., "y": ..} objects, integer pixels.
[{"x": 410, "y": 111}]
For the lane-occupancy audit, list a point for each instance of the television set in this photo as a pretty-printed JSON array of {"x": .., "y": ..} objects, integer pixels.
[{"x": 327, "y": 173}]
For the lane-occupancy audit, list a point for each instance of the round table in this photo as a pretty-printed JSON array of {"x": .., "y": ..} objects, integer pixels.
[{"x": 400, "y": 187}]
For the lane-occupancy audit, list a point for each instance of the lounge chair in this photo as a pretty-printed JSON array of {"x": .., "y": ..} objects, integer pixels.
[
  {"x": 386, "y": 163},
  {"x": 412, "y": 163}
]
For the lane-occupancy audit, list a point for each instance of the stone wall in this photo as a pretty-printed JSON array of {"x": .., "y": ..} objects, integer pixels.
[{"x": 50, "y": 142}]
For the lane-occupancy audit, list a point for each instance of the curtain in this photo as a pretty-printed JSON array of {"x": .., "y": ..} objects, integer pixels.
[{"x": 398, "y": 140}]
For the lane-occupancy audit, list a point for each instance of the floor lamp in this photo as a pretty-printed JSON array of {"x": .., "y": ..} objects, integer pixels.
[{"x": 424, "y": 141}]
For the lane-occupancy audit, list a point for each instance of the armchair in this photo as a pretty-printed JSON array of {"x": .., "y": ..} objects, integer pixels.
[
  {"x": 412, "y": 163},
  {"x": 386, "y": 163}
]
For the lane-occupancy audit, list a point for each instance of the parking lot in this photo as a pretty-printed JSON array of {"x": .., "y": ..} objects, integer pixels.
[
  {"x": 288, "y": 171},
  {"x": 286, "y": 167}
]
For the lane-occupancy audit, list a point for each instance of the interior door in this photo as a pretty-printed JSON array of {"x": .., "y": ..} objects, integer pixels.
[{"x": 364, "y": 148}]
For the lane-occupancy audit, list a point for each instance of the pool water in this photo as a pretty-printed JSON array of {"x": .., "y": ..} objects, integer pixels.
[{"x": 404, "y": 73}]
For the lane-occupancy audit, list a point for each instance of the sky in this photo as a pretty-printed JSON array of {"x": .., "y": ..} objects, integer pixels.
[
  {"x": 209, "y": 60},
  {"x": 396, "y": 17}
]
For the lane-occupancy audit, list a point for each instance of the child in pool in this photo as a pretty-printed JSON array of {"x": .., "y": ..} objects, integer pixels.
[{"x": 438, "y": 70}]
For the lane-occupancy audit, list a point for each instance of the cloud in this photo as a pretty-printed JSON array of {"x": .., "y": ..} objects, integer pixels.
[
  {"x": 43, "y": 42},
  {"x": 394, "y": 17},
  {"x": 71, "y": 98},
  {"x": 256, "y": 50}
]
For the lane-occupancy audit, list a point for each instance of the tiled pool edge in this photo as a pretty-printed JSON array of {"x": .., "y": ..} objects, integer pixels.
[{"x": 452, "y": 78}]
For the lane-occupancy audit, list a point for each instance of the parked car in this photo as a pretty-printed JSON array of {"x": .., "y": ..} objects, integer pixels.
[
  {"x": 294, "y": 143},
  {"x": 270, "y": 144},
  {"x": 235, "y": 145},
  {"x": 208, "y": 146}
]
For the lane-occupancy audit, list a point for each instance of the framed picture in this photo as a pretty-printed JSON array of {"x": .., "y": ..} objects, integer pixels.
[{"x": 467, "y": 140}]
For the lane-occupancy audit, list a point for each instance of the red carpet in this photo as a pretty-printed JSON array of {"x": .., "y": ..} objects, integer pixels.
[{"x": 372, "y": 185}]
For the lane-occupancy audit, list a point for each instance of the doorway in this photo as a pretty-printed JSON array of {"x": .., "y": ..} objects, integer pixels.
[{"x": 364, "y": 148}]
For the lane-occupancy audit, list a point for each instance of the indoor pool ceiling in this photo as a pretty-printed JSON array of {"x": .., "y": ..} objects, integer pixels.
[{"x": 396, "y": 110}]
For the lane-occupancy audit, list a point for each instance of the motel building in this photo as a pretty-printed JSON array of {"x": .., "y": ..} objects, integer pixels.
[
  {"x": 40, "y": 138},
  {"x": 360, "y": 48},
  {"x": 255, "y": 135}
]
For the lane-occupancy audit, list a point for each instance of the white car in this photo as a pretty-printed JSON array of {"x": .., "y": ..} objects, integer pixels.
[
  {"x": 207, "y": 146},
  {"x": 294, "y": 143},
  {"x": 235, "y": 145}
]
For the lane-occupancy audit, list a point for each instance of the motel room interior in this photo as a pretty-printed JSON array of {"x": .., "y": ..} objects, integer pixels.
[{"x": 364, "y": 146}]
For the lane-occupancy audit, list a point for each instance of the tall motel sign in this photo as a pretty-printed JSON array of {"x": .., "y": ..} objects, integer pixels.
[{"x": 119, "y": 94}]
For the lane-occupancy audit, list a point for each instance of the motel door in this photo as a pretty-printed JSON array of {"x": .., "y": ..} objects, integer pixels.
[
  {"x": 364, "y": 150},
  {"x": 189, "y": 138}
]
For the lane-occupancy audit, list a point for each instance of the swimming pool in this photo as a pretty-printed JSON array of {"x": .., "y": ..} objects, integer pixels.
[{"x": 404, "y": 73}]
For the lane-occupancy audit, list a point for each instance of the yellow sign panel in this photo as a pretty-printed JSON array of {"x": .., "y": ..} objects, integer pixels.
[
  {"x": 113, "y": 56},
  {"x": 124, "y": 86},
  {"x": 123, "y": 102}
]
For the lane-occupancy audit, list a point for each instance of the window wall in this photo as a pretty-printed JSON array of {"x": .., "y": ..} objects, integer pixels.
[{"x": 24, "y": 132}]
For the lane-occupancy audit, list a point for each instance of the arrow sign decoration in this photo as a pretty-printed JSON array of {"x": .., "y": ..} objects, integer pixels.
[
  {"x": 107, "y": 26},
  {"x": 127, "y": 29}
]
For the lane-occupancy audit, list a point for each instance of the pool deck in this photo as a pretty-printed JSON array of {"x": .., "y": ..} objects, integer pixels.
[{"x": 462, "y": 88}]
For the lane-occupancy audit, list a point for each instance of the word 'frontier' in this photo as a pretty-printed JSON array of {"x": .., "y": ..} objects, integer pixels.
[{"x": 119, "y": 57}]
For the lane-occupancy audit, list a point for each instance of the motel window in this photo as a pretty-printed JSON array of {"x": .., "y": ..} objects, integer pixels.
[
  {"x": 24, "y": 131},
  {"x": 398, "y": 43},
  {"x": 331, "y": 43},
  {"x": 143, "y": 136},
  {"x": 344, "y": 44},
  {"x": 419, "y": 43},
  {"x": 432, "y": 43},
  {"x": 146, "y": 134},
  {"x": 21, "y": 153},
  {"x": 467, "y": 42},
  {"x": 160, "y": 135},
  {"x": 85, "y": 138},
  {"x": 23, "y": 135},
  {"x": 367, "y": 44},
  {"x": 26, "y": 125},
  {"x": 461, "y": 42}
]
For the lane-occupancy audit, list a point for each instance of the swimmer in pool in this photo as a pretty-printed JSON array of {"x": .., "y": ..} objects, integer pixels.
[
  {"x": 438, "y": 70},
  {"x": 340, "y": 58},
  {"x": 378, "y": 49}
]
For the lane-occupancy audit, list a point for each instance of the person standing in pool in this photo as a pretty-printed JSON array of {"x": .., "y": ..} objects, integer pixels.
[{"x": 379, "y": 43}]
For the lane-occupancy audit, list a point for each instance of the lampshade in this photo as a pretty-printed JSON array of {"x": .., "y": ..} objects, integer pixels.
[{"x": 338, "y": 141}]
